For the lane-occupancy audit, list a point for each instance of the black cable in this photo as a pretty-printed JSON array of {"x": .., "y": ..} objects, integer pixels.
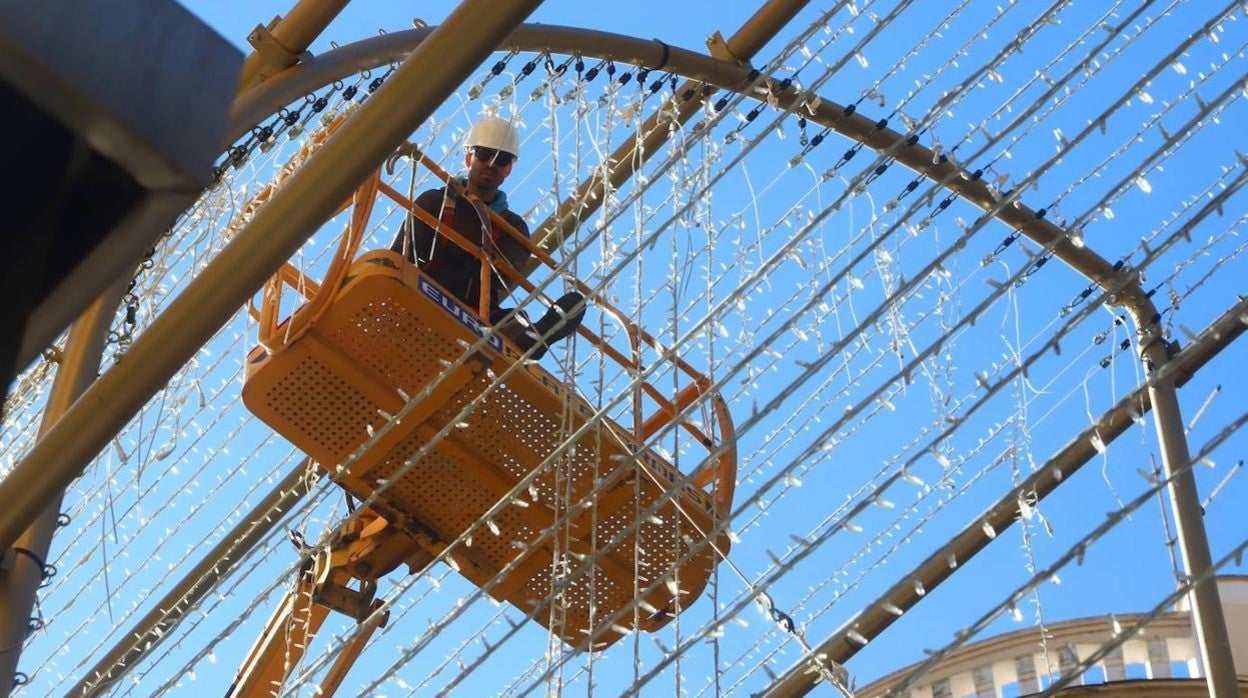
[{"x": 667, "y": 53}]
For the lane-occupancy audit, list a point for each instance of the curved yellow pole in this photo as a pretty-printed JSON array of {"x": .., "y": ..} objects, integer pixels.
[{"x": 78, "y": 365}]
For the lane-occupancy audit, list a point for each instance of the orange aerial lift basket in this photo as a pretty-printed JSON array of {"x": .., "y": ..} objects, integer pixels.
[{"x": 379, "y": 339}]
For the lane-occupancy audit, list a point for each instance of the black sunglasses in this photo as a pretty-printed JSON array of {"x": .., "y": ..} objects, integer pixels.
[{"x": 492, "y": 156}]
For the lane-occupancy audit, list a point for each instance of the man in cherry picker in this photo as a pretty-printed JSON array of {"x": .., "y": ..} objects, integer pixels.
[{"x": 491, "y": 150}]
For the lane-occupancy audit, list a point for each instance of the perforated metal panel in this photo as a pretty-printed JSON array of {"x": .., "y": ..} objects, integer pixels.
[
  {"x": 386, "y": 337},
  {"x": 443, "y": 495},
  {"x": 321, "y": 407},
  {"x": 609, "y": 598}
]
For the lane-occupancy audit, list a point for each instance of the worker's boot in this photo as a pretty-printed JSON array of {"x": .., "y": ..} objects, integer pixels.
[{"x": 560, "y": 321}]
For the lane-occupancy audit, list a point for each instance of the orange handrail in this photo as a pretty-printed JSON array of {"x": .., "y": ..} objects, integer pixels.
[
  {"x": 719, "y": 473},
  {"x": 509, "y": 271},
  {"x": 270, "y": 338},
  {"x": 722, "y": 472}
]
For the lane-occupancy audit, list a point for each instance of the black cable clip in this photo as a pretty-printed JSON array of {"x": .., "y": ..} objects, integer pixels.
[
  {"x": 667, "y": 53},
  {"x": 780, "y": 618},
  {"x": 46, "y": 571}
]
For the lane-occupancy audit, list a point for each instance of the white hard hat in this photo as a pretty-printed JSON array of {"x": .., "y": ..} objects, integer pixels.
[{"x": 493, "y": 132}]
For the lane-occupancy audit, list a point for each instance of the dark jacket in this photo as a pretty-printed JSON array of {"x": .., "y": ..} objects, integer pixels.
[{"x": 448, "y": 264}]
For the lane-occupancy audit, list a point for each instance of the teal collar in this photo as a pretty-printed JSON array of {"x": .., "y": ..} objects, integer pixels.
[{"x": 498, "y": 205}]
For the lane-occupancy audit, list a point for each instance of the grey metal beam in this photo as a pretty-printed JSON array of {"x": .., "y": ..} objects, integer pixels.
[
  {"x": 139, "y": 108},
  {"x": 155, "y": 110}
]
